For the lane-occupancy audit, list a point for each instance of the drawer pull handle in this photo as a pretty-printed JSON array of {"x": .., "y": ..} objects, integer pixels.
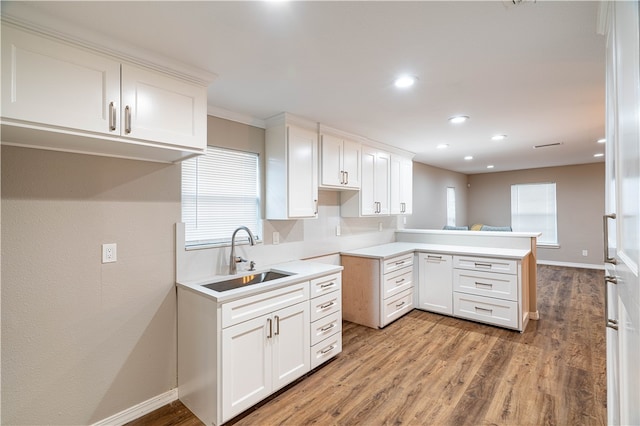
[
  {"x": 327, "y": 305},
  {"x": 400, "y": 281},
  {"x": 270, "y": 335},
  {"x": 483, "y": 265},
  {"x": 401, "y": 304},
  {"x": 331, "y": 284},
  {"x": 327, "y": 350},
  {"x": 434, "y": 257},
  {"x": 484, "y": 310},
  {"x": 401, "y": 262},
  {"x": 485, "y": 285},
  {"x": 328, "y": 327}
]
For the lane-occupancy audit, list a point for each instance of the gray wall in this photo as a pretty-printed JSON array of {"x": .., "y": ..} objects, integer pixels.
[
  {"x": 82, "y": 340},
  {"x": 580, "y": 203},
  {"x": 430, "y": 197}
]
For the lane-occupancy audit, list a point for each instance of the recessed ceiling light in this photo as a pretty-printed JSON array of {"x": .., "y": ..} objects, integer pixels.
[
  {"x": 468, "y": 157},
  {"x": 598, "y": 155},
  {"x": 405, "y": 81},
  {"x": 490, "y": 166},
  {"x": 603, "y": 140},
  {"x": 498, "y": 137},
  {"x": 458, "y": 119},
  {"x": 442, "y": 146}
]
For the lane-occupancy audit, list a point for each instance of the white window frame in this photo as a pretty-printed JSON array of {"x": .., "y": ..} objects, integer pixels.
[
  {"x": 531, "y": 200},
  {"x": 220, "y": 192}
]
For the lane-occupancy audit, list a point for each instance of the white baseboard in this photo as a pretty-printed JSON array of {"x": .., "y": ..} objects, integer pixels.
[
  {"x": 571, "y": 264},
  {"x": 139, "y": 410}
]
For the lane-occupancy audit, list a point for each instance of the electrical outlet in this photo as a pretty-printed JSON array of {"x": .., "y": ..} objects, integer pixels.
[
  {"x": 585, "y": 252},
  {"x": 109, "y": 253},
  {"x": 276, "y": 238}
]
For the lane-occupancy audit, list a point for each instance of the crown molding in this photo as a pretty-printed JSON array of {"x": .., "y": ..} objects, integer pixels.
[{"x": 235, "y": 116}]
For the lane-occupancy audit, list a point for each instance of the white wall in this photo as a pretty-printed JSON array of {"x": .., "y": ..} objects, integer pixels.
[{"x": 82, "y": 340}]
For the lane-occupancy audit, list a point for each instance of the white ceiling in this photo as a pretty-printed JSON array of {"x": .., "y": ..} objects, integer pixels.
[{"x": 533, "y": 71}]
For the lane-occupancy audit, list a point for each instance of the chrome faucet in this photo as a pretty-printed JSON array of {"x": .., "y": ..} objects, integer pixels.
[{"x": 233, "y": 269}]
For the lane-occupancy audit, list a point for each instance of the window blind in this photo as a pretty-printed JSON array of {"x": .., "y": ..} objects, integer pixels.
[
  {"x": 220, "y": 191},
  {"x": 533, "y": 209}
]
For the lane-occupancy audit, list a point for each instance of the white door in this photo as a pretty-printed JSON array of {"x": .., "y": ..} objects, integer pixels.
[
  {"x": 435, "y": 291},
  {"x": 51, "y": 83},
  {"x": 246, "y": 365},
  {"x": 291, "y": 344},
  {"x": 623, "y": 200},
  {"x": 351, "y": 157},
  {"x": 159, "y": 108},
  {"x": 331, "y": 161},
  {"x": 302, "y": 179}
]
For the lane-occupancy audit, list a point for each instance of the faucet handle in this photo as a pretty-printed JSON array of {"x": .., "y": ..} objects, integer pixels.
[
  {"x": 252, "y": 266},
  {"x": 239, "y": 259}
]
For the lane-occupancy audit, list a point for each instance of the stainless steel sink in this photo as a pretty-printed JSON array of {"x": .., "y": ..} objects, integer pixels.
[{"x": 246, "y": 280}]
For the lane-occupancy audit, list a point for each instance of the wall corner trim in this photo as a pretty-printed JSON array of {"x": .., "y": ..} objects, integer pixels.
[{"x": 140, "y": 410}]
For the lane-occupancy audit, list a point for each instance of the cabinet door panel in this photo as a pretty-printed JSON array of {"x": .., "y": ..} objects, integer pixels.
[
  {"x": 164, "y": 109},
  {"x": 246, "y": 365},
  {"x": 367, "y": 184},
  {"x": 351, "y": 157},
  {"x": 302, "y": 156},
  {"x": 436, "y": 283},
  {"x": 49, "y": 82},
  {"x": 331, "y": 165},
  {"x": 382, "y": 175},
  {"x": 291, "y": 344}
]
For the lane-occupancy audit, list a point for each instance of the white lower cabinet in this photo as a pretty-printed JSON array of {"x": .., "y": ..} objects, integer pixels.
[
  {"x": 326, "y": 318},
  {"x": 491, "y": 290},
  {"x": 377, "y": 291},
  {"x": 232, "y": 355},
  {"x": 435, "y": 283},
  {"x": 262, "y": 355}
]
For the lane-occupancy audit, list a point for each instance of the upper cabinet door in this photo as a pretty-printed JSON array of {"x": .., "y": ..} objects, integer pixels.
[
  {"x": 53, "y": 83},
  {"x": 302, "y": 165},
  {"x": 381, "y": 179},
  {"x": 351, "y": 163},
  {"x": 331, "y": 161},
  {"x": 160, "y": 108}
]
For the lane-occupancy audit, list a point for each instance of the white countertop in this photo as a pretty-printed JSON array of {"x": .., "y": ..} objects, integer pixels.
[
  {"x": 385, "y": 251},
  {"x": 301, "y": 270}
]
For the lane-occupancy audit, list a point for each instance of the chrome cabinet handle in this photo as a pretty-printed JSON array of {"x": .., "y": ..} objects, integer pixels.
[
  {"x": 277, "y": 325},
  {"x": 112, "y": 116},
  {"x": 479, "y": 284},
  {"x": 346, "y": 181},
  {"x": 270, "y": 335},
  {"x": 400, "y": 305},
  {"x": 127, "y": 119},
  {"x": 342, "y": 182},
  {"x": 327, "y": 328},
  {"x": 605, "y": 225},
  {"x": 489, "y": 311},
  {"x": 331, "y": 284},
  {"x": 400, "y": 281},
  {"x": 327, "y": 350},
  {"x": 430, "y": 256},
  {"x": 315, "y": 202},
  {"x": 482, "y": 265},
  {"x": 326, "y": 305},
  {"x": 611, "y": 323}
]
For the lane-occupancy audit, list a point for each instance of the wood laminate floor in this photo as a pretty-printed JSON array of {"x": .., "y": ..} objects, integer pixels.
[{"x": 428, "y": 369}]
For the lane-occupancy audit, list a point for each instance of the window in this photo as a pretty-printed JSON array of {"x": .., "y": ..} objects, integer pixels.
[
  {"x": 451, "y": 206},
  {"x": 533, "y": 209},
  {"x": 220, "y": 191}
]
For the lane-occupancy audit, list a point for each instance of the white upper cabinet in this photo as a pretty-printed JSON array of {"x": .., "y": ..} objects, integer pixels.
[
  {"x": 56, "y": 95},
  {"x": 340, "y": 161},
  {"x": 292, "y": 168},
  {"x": 401, "y": 185},
  {"x": 373, "y": 197}
]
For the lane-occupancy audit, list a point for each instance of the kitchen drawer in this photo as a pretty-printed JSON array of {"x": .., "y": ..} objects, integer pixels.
[
  {"x": 397, "y": 306},
  {"x": 326, "y": 350},
  {"x": 324, "y": 285},
  {"x": 326, "y": 304},
  {"x": 488, "y": 284},
  {"x": 397, "y": 281},
  {"x": 485, "y": 309},
  {"x": 254, "y": 306},
  {"x": 504, "y": 266},
  {"x": 325, "y": 327},
  {"x": 397, "y": 262}
]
